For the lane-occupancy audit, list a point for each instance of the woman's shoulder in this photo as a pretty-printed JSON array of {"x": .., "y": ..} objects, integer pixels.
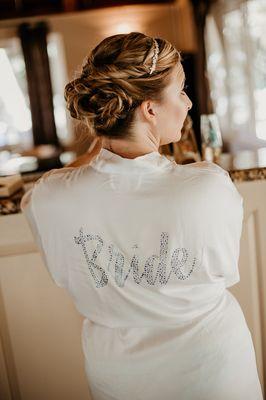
[
  {"x": 213, "y": 178},
  {"x": 55, "y": 173},
  {"x": 53, "y": 176},
  {"x": 208, "y": 166},
  {"x": 60, "y": 177}
]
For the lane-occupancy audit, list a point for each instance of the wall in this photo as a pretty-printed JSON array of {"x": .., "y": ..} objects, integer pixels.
[{"x": 81, "y": 31}]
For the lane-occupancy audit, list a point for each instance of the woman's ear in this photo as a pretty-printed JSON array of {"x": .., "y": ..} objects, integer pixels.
[{"x": 148, "y": 111}]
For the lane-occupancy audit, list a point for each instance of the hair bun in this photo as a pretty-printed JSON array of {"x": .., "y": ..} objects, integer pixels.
[{"x": 114, "y": 81}]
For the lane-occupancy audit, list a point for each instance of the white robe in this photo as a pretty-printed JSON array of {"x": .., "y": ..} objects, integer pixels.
[{"x": 147, "y": 249}]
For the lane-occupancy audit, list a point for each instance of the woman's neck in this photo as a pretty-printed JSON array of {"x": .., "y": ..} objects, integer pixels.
[{"x": 130, "y": 149}]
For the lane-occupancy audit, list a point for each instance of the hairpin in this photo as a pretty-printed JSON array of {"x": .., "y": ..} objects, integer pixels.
[{"x": 154, "y": 57}]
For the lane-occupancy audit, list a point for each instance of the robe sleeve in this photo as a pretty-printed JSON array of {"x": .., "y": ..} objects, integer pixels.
[
  {"x": 40, "y": 219},
  {"x": 222, "y": 219},
  {"x": 224, "y": 213}
]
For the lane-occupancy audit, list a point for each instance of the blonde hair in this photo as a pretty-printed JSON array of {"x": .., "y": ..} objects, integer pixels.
[{"x": 115, "y": 79}]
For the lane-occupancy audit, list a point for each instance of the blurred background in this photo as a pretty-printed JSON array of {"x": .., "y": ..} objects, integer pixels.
[
  {"x": 44, "y": 42},
  {"x": 42, "y": 47}
]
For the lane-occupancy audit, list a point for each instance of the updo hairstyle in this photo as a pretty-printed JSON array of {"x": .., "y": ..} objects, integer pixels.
[{"x": 115, "y": 80}]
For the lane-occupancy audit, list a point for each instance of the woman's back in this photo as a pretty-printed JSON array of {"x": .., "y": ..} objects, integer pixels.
[
  {"x": 144, "y": 232},
  {"x": 147, "y": 249}
]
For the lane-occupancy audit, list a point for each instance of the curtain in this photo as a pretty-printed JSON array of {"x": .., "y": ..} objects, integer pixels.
[{"x": 236, "y": 63}]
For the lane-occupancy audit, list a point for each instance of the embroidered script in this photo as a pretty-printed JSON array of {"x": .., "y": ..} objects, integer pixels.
[{"x": 179, "y": 262}]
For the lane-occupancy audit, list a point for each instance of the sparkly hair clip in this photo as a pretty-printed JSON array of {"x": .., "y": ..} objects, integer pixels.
[{"x": 154, "y": 57}]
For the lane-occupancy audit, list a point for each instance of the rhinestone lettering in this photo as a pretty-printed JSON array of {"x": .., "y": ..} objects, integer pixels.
[{"x": 178, "y": 263}]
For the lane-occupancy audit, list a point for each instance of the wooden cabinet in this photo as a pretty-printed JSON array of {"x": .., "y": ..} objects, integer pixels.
[
  {"x": 40, "y": 348},
  {"x": 251, "y": 290}
]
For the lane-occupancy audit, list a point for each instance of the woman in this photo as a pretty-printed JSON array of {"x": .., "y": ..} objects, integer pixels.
[{"x": 146, "y": 247}]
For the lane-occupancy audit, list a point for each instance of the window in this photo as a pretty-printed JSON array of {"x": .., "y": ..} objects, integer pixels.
[
  {"x": 55, "y": 49},
  {"x": 15, "y": 113},
  {"x": 236, "y": 63}
]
